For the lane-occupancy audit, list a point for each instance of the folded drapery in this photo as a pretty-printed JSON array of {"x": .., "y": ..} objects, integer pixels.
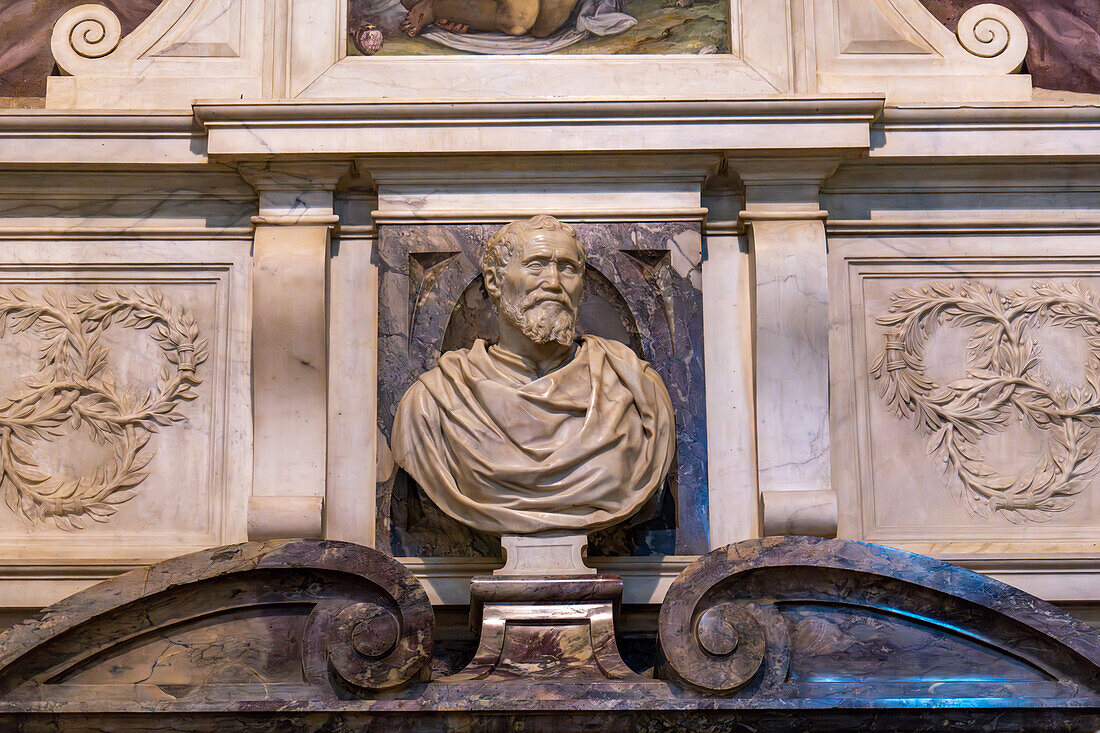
[{"x": 580, "y": 448}]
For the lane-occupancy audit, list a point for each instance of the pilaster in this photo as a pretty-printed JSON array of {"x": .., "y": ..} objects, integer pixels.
[
  {"x": 786, "y": 234},
  {"x": 290, "y": 346},
  {"x": 727, "y": 354}
]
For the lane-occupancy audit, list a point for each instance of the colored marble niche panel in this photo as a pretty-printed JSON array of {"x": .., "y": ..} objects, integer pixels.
[
  {"x": 642, "y": 287},
  {"x": 434, "y": 27}
]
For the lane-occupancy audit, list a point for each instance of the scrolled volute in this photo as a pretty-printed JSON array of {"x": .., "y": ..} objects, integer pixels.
[
  {"x": 373, "y": 644},
  {"x": 708, "y": 643},
  {"x": 993, "y": 31},
  {"x": 86, "y": 32},
  {"x": 372, "y": 647},
  {"x": 351, "y": 618}
]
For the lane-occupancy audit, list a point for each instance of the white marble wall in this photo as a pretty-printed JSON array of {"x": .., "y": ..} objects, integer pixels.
[
  {"x": 126, "y": 405},
  {"x": 844, "y": 151}
]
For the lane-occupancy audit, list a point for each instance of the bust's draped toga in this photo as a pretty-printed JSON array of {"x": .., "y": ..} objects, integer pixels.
[{"x": 504, "y": 451}]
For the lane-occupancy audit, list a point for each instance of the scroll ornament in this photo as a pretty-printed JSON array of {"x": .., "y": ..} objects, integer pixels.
[
  {"x": 1004, "y": 378},
  {"x": 73, "y": 386},
  {"x": 992, "y": 31},
  {"x": 84, "y": 34}
]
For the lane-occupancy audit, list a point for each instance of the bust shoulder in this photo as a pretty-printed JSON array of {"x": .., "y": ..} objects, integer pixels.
[
  {"x": 616, "y": 349},
  {"x": 458, "y": 357}
]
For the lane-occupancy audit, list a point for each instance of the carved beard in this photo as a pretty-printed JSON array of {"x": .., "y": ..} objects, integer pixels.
[{"x": 543, "y": 318}]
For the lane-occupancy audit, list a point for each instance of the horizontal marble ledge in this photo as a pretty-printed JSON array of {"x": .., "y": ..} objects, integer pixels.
[
  {"x": 951, "y": 132},
  {"x": 243, "y": 130},
  {"x": 616, "y": 706},
  {"x": 645, "y": 579},
  {"x": 501, "y": 216},
  {"x": 522, "y": 589},
  {"x": 98, "y": 138},
  {"x": 976, "y": 131}
]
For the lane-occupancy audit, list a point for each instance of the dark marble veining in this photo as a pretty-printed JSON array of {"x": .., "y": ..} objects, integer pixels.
[
  {"x": 642, "y": 287},
  {"x": 332, "y": 616},
  {"x": 562, "y": 708},
  {"x": 559, "y": 629},
  {"x": 848, "y": 619},
  {"x": 311, "y": 635}
]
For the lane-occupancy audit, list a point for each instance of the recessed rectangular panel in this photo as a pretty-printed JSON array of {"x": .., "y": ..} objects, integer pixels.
[
  {"x": 976, "y": 402},
  {"x": 120, "y": 405},
  {"x": 642, "y": 289}
]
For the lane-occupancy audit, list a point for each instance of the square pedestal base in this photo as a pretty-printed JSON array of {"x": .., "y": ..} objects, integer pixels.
[{"x": 546, "y": 628}]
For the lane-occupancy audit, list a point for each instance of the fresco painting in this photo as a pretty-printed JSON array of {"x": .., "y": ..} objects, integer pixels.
[{"x": 514, "y": 27}]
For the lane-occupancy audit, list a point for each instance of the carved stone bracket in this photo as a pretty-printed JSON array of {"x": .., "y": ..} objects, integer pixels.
[{"x": 546, "y": 628}]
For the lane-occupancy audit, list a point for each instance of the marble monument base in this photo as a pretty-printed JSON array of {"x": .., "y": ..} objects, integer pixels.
[
  {"x": 546, "y": 628},
  {"x": 769, "y": 635}
]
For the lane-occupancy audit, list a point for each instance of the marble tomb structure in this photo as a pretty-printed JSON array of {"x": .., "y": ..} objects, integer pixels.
[{"x": 624, "y": 365}]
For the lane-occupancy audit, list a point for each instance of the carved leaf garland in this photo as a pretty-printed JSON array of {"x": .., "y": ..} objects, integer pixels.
[
  {"x": 1003, "y": 379},
  {"x": 73, "y": 386}
]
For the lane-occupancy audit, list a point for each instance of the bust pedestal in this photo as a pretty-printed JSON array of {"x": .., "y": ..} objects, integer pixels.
[
  {"x": 545, "y": 615},
  {"x": 545, "y": 553},
  {"x": 546, "y": 628}
]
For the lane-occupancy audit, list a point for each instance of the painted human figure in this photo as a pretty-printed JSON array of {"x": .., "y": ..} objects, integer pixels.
[{"x": 515, "y": 17}]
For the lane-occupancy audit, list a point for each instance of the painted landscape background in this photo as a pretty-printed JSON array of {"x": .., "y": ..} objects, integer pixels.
[{"x": 664, "y": 26}]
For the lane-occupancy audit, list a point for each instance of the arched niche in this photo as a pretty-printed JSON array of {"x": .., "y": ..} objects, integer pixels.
[{"x": 642, "y": 289}]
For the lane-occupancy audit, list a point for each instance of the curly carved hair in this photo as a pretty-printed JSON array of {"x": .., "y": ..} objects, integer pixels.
[{"x": 503, "y": 245}]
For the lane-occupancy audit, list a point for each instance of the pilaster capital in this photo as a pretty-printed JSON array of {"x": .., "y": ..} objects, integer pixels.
[
  {"x": 782, "y": 189},
  {"x": 299, "y": 193}
]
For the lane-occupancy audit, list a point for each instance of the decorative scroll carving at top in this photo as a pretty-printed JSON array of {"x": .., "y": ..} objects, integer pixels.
[
  {"x": 1004, "y": 378},
  {"x": 893, "y": 45},
  {"x": 86, "y": 31},
  {"x": 73, "y": 386},
  {"x": 990, "y": 31}
]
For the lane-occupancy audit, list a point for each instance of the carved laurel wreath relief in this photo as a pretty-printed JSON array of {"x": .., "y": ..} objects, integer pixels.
[
  {"x": 73, "y": 385},
  {"x": 1004, "y": 379}
]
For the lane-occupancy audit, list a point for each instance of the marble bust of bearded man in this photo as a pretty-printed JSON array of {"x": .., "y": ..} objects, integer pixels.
[{"x": 541, "y": 431}]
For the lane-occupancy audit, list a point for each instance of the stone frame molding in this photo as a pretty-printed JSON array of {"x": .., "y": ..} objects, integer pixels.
[{"x": 297, "y": 49}]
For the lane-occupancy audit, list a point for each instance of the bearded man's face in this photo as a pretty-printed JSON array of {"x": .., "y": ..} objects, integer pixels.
[{"x": 541, "y": 287}]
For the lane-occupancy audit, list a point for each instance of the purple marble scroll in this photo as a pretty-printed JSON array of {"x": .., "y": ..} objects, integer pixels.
[
  {"x": 809, "y": 618},
  {"x": 792, "y": 633},
  {"x": 294, "y": 618}
]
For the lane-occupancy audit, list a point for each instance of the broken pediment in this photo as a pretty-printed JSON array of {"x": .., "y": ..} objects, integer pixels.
[
  {"x": 832, "y": 634},
  {"x": 249, "y": 49}
]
